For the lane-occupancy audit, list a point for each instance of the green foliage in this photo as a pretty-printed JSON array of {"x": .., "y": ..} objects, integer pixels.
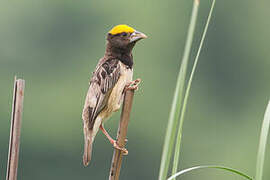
[
  {"x": 177, "y": 100},
  {"x": 209, "y": 167},
  {"x": 183, "y": 110},
  {"x": 179, "y": 109},
  {"x": 262, "y": 144}
]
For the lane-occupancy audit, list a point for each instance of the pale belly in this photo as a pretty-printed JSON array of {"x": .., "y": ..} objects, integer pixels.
[{"x": 116, "y": 97}]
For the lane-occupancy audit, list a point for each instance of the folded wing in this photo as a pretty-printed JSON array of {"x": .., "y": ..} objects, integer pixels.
[{"x": 103, "y": 80}]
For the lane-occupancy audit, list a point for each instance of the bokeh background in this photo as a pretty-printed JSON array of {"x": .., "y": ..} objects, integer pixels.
[{"x": 55, "y": 45}]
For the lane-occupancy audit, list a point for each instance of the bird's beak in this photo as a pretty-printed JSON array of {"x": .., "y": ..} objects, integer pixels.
[{"x": 136, "y": 36}]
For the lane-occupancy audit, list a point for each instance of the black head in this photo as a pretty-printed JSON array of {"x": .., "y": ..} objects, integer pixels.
[{"x": 124, "y": 37}]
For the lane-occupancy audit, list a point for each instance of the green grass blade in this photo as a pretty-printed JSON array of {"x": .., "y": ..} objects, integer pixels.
[
  {"x": 211, "y": 167},
  {"x": 179, "y": 134},
  {"x": 262, "y": 143},
  {"x": 177, "y": 100}
]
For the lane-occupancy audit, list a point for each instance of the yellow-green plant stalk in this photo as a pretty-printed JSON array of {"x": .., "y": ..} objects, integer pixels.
[
  {"x": 183, "y": 110},
  {"x": 177, "y": 100}
]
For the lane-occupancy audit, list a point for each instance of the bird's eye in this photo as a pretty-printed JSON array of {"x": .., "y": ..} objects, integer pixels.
[{"x": 124, "y": 34}]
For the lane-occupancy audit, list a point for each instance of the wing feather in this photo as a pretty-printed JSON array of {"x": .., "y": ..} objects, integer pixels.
[{"x": 101, "y": 84}]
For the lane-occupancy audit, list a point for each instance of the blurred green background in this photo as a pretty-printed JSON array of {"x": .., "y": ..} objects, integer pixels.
[{"x": 55, "y": 45}]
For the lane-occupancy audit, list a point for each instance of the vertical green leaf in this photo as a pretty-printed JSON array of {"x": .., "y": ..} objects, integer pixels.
[
  {"x": 177, "y": 100},
  {"x": 183, "y": 110},
  {"x": 262, "y": 143}
]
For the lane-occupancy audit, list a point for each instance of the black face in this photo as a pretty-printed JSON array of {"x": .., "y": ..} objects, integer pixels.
[{"x": 121, "y": 40}]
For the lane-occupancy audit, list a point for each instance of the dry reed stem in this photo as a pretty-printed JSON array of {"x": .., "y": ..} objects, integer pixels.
[
  {"x": 15, "y": 129},
  {"x": 121, "y": 135}
]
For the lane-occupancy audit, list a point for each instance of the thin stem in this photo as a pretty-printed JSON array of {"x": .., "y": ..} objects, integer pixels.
[
  {"x": 121, "y": 135},
  {"x": 15, "y": 129},
  {"x": 179, "y": 135},
  {"x": 178, "y": 95}
]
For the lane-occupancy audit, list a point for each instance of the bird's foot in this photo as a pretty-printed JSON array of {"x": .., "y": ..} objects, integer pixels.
[
  {"x": 133, "y": 85},
  {"x": 113, "y": 142},
  {"x": 116, "y": 146}
]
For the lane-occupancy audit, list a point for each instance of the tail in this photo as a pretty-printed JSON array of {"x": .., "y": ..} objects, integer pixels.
[
  {"x": 89, "y": 136},
  {"x": 87, "y": 152}
]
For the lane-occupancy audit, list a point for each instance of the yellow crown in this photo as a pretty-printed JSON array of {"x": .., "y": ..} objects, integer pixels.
[{"x": 120, "y": 29}]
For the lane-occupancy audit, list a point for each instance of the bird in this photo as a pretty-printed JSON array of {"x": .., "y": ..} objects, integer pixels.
[{"x": 112, "y": 77}]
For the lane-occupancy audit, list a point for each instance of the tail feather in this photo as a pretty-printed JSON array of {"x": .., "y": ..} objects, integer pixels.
[
  {"x": 87, "y": 152},
  {"x": 89, "y": 136}
]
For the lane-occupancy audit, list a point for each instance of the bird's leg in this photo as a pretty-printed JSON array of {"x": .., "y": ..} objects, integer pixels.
[
  {"x": 133, "y": 85},
  {"x": 112, "y": 141}
]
